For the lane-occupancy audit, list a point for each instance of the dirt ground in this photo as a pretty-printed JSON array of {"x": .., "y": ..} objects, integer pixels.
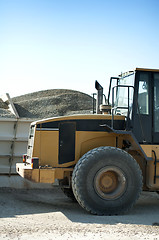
[{"x": 48, "y": 214}]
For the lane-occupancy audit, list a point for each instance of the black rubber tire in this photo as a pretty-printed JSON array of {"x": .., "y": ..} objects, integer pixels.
[
  {"x": 69, "y": 193},
  {"x": 84, "y": 183}
]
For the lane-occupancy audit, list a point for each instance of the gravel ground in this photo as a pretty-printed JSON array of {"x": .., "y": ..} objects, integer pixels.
[{"x": 48, "y": 214}]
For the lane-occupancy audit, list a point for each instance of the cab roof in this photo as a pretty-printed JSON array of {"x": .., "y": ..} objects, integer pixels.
[
  {"x": 125, "y": 74},
  {"x": 147, "y": 69}
]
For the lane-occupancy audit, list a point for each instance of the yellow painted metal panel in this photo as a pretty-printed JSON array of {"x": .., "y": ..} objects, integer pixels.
[
  {"x": 150, "y": 167},
  {"x": 147, "y": 70},
  {"x": 149, "y": 148},
  {"x": 150, "y": 175},
  {"x": 74, "y": 117},
  {"x": 86, "y": 141},
  {"x": 47, "y": 175},
  {"x": 43, "y": 175},
  {"x": 27, "y": 172},
  {"x": 46, "y": 147}
]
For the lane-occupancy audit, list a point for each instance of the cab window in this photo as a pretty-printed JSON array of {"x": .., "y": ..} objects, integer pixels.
[{"x": 143, "y": 99}]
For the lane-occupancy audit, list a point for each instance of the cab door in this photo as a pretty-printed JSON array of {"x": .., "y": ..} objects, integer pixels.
[
  {"x": 146, "y": 107},
  {"x": 156, "y": 108},
  {"x": 142, "y": 107}
]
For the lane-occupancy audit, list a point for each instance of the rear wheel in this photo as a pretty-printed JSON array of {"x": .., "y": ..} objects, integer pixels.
[{"x": 107, "y": 181}]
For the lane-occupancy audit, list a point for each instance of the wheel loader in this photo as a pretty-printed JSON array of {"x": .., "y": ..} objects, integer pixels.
[{"x": 102, "y": 160}]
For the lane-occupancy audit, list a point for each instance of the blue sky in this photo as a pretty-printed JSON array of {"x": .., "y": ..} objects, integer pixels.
[{"x": 50, "y": 44}]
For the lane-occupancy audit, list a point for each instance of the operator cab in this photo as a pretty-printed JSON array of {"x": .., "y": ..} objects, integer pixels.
[{"x": 135, "y": 94}]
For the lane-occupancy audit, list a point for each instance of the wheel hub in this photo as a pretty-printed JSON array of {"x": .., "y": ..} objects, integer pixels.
[{"x": 110, "y": 183}]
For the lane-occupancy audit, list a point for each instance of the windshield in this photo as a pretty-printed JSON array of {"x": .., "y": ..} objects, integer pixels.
[{"x": 123, "y": 95}]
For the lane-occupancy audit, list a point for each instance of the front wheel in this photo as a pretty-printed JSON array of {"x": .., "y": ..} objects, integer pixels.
[{"x": 107, "y": 181}]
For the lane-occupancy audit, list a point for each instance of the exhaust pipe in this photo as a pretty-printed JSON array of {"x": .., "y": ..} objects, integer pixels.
[{"x": 99, "y": 96}]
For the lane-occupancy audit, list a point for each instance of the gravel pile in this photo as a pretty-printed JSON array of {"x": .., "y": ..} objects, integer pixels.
[
  {"x": 50, "y": 103},
  {"x": 3, "y": 105},
  {"x": 4, "y": 110}
]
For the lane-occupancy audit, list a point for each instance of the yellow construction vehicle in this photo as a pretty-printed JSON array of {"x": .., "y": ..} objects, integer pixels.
[{"x": 102, "y": 160}]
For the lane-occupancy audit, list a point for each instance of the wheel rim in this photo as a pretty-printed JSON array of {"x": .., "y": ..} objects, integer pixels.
[{"x": 110, "y": 183}]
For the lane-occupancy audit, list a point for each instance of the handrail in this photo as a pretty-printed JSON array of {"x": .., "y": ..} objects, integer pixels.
[
  {"x": 155, "y": 170},
  {"x": 117, "y": 78}
]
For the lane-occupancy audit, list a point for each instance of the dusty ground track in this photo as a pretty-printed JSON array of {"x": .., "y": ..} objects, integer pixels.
[{"x": 48, "y": 214}]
